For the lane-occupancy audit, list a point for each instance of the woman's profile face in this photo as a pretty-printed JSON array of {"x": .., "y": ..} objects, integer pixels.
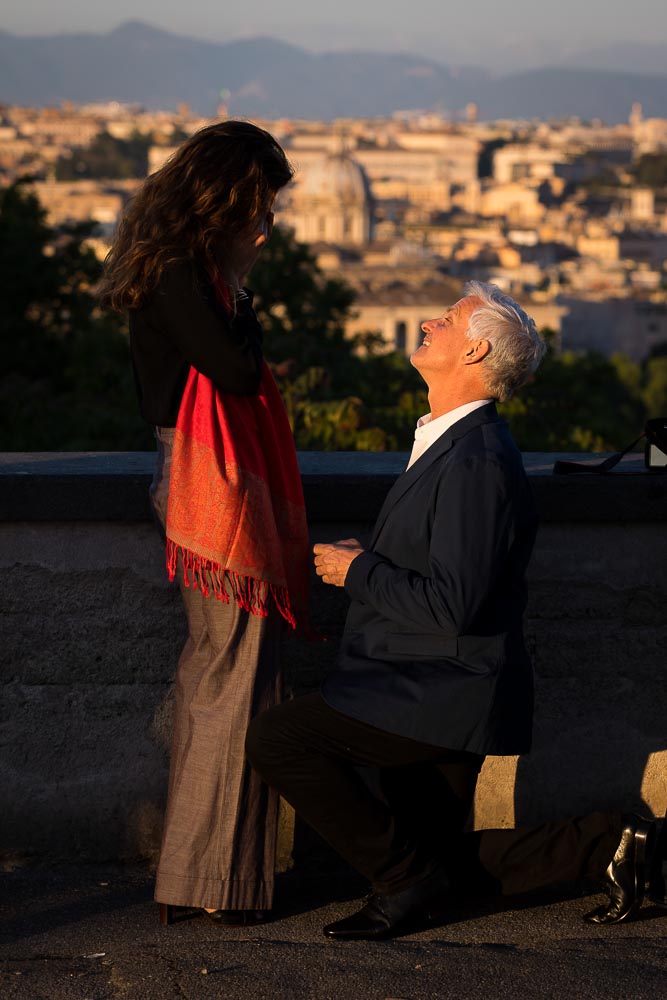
[
  {"x": 257, "y": 234},
  {"x": 241, "y": 250}
]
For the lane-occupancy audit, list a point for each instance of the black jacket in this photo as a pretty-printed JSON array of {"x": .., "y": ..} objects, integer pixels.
[
  {"x": 182, "y": 325},
  {"x": 433, "y": 646}
]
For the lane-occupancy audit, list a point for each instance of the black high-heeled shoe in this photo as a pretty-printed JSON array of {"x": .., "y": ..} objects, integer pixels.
[
  {"x": 230, "y": 918},
  {"x": 167, "y": 913},
  {"x": 626, "y": 875},
  {"x": 237, "y": 918}
]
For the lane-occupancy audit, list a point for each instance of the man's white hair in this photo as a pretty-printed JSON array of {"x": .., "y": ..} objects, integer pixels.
[{"x": 516, "y": 346}]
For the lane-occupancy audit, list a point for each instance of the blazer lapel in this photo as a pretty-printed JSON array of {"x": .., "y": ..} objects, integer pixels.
[{"x": 482, "y": 415}]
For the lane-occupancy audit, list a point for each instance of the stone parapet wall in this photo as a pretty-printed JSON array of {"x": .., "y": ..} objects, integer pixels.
[{"x": 91, "y": 633}]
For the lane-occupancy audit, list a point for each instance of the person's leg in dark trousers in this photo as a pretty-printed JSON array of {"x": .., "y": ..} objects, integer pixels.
[
  {"x": 513, "y": 861},
  {"x": 405, "y": 841},
  {"x": 434, "y": 801},
  {"x": 619, "y": 850},
  {"x": 310, "y": 753}
]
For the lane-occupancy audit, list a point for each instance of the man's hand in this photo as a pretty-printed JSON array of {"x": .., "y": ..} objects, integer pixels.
[{"x": 333, "y": 561}]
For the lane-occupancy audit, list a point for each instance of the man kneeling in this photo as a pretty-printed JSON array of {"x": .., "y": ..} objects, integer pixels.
[{"x": 432, "y": 672}]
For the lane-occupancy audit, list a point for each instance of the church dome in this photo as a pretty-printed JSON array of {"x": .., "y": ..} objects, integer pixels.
[
  {"x": 335, "y": 178},
  {"x": 330, "y": 202}
]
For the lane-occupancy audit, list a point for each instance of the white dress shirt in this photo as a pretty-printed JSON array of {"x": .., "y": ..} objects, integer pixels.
[{"x": 429, "y": 430}]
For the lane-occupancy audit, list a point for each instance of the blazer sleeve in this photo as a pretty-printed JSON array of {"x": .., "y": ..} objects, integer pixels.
[
  {"x": 472, "y": 530},
  {"x": 227, "y": 349}
]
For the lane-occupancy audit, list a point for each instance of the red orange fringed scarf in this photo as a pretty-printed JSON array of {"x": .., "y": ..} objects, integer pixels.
[{"x": 235, "y": 514}]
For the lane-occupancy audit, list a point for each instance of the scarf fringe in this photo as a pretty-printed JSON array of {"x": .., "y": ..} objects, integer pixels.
[{"x": 250, "y": 594}]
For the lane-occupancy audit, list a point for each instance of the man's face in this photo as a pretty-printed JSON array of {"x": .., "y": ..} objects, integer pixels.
[{"x": 445, "y": 342}]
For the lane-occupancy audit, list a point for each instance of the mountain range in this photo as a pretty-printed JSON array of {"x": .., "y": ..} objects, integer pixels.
[{"x": 137, "y": 63}]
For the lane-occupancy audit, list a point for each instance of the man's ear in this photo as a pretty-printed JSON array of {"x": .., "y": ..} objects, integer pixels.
[{"x": 476, "y": 351}]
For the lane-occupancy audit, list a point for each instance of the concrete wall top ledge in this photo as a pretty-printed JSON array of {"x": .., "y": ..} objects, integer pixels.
[{"x": 338, "y": 486}]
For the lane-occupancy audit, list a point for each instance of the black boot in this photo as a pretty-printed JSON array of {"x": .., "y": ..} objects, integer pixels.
[{"x": 626, "y": 875}]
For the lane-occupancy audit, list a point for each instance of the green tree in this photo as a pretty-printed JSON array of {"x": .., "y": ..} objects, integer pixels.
[
  {"x": 107, "y": 158},
  {"x": 576, "y": 402},
  {"x": 67, "y": 382},
  {"x": 340, "y": 393},
  {"x": 651, "y": 170},
  {"x": 629, "y": 372},
  {"x": 654, "y": 389}
]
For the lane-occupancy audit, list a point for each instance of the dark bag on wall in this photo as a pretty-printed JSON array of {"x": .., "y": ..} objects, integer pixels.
[{"x": 655, "y": 452}]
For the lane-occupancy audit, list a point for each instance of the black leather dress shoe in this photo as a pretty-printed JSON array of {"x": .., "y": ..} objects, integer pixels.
[
  {"x": 657, "y": 878},
  {"x": 384, "y": 915},
  {"x": 626, "y": 875}
]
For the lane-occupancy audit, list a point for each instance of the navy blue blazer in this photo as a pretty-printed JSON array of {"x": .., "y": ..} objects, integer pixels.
[{"x": 433, "y": 644}]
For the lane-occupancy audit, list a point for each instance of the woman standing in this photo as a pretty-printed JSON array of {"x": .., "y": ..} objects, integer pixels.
[{"x": 226, "y": 491}]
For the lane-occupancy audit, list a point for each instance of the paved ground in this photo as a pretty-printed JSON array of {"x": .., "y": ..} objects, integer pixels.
[{"x": 92, "y": 933}]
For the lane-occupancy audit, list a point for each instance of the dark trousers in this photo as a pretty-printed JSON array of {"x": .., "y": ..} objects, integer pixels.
[{"x": 412, "y": 822}]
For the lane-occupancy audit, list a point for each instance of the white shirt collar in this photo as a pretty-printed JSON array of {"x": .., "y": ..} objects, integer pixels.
[{"x": 429, "y": 430}]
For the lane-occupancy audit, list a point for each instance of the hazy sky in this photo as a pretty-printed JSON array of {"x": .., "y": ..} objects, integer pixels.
[{"x": 519, "y": 32}]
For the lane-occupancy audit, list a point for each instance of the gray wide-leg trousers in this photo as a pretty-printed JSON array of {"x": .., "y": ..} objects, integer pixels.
[{"x": 219, "y": 838}]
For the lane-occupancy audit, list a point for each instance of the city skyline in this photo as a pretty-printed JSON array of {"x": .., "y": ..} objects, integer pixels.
[{"x": 518, "y": 36}]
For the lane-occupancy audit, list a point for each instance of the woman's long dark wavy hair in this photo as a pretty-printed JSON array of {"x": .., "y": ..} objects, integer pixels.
[{"x": 219, "y": 182}]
